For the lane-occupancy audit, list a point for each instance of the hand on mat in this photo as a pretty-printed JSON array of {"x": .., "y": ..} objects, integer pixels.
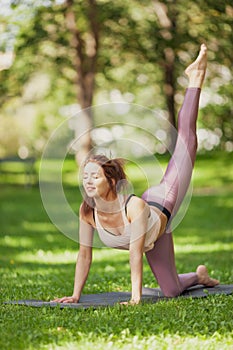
[{"x": 66, "y": 300}]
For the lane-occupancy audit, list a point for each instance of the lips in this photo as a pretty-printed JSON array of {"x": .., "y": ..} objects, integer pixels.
[{"x": 90, "y": 188}]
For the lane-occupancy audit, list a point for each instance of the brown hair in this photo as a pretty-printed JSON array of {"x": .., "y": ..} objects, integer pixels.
[{"x": 114, "y": 173}]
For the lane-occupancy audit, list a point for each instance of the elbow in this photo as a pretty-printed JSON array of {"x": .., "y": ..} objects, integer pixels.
[
  {"x": 136, "y": 252},
  {"x": 136, "y": 258},
  {"x": 88, "y": 260},
  {"x": 85, "y": 257}
]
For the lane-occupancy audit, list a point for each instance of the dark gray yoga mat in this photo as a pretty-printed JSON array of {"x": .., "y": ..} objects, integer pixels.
[{"x": 108, "y": 299}]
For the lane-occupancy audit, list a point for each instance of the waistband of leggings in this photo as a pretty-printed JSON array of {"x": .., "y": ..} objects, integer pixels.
[{"x": 160, "y": 207}]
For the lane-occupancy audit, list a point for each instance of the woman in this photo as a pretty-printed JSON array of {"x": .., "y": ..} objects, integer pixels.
[{"x": 143, "y": 224}]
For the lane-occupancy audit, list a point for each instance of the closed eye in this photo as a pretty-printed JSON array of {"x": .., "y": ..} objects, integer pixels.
[{"x": 94, "y": 176}]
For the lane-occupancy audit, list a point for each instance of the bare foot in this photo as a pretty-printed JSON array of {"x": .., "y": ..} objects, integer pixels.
[
  {"x": 204, "y": 278},
  {"x": 196, "y": 70}
]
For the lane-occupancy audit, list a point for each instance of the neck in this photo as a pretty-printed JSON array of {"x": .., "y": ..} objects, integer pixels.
[{"x": 108, "y": 205}]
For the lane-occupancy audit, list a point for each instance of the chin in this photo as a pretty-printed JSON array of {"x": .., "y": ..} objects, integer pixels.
[{"x": 90, "y": 194}]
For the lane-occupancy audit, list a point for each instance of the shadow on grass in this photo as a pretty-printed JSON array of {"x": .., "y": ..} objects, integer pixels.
[
  {"x": 43, "y": 280},
  {"x": 209, "y": 218},
  {"x": 38, "y": 262},
  {"x": 36, "y": 327},
  {"x": 26, "y": 230}
]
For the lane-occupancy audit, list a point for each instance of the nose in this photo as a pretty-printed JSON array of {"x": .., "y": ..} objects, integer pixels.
[{"x": 88, "y": 180}]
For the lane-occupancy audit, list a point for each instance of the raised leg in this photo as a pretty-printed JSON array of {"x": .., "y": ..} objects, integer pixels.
[
  {"x": 171, "y": 191},
  {"x": 174, "y": 184}
]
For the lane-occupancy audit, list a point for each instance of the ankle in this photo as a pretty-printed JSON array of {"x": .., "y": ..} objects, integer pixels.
[{"x": 196, "y": 79}]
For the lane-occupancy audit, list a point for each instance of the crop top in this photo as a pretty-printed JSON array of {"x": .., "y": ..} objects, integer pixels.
[{"x": 123, "y": 241}]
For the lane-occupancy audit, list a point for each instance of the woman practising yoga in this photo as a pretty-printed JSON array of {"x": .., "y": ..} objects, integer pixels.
[{"x": 142, "y": 225}]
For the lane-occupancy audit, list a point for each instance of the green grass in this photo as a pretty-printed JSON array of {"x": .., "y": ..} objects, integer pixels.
[{"x": 37, "y": 262}]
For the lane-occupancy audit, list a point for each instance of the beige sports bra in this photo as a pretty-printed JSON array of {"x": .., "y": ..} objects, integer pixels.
[{"x": 123, "y": 241}]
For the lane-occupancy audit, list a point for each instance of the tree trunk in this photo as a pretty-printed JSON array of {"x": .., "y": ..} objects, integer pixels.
[
  {"x": 84, "y": 61},
  {"x": 167, "y": 23},
  {"x": 169, "y": 90}
]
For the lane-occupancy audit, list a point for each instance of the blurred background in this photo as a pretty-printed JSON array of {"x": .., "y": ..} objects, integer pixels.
[
  {"x": 60, "y": 57},
  {"x": 68, "y": 70}
]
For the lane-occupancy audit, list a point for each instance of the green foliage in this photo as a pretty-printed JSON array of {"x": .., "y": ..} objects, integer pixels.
[
  {"x": 143, "y": 49},
  {"x": 219, "y": 114}
]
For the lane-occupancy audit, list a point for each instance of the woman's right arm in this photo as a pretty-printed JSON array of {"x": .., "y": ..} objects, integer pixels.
[
  {"x": 82, "y": 269},
  {"x": 83, "y": 262}
]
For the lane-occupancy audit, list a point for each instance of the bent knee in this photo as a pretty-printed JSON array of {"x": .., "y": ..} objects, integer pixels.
[{"x": 172, "y": 292}]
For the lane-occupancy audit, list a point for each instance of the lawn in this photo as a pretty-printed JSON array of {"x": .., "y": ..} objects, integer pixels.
[{"x": 37, "y": 262}]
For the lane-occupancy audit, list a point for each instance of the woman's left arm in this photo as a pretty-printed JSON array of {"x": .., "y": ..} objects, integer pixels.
[{"x": 138, "y": 213}]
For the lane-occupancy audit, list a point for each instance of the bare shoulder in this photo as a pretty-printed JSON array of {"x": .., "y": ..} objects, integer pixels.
[
  {"x": 136, "y": 206},
  {"x": 136, "y": 201},
  {"x": 87, "y": 218}
]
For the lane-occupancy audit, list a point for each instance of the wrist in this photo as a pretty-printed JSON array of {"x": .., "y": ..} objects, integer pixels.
[
  {"x": 135, "y": 301},
  {"x": 76, "y": 298},
  {"x": 136, "y": 297}
]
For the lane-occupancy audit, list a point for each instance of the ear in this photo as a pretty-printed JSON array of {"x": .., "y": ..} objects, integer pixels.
[
  {"x": 113, "y": 182},
  {"x": 124, "y": 186}
]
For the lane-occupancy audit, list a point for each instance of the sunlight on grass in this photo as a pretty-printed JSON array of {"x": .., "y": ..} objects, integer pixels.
[
  {"x": 100, "y": 255},
  {"x": 67, "y": 256},
  {"x": 45, "y": 257},
  {"x": 39, "y": 226},
  {"x": 38, "y": 262},
  {"x": 162, "y": 342},
  {"x": 202, "y": 248},
  {"x": 22, "y": 241},
  {"x": 109, "y": 254}
]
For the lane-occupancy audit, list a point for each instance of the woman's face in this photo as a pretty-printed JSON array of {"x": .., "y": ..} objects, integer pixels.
[{"x": 95, "y": 182}]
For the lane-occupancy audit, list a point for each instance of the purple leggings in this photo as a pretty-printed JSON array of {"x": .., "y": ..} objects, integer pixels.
[{"x": 170, "y": 193}]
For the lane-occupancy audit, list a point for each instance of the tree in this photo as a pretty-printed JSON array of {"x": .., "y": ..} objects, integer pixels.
[
  {"x": 85, "y": 46},
  {"x": 133, "y": 46}
]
